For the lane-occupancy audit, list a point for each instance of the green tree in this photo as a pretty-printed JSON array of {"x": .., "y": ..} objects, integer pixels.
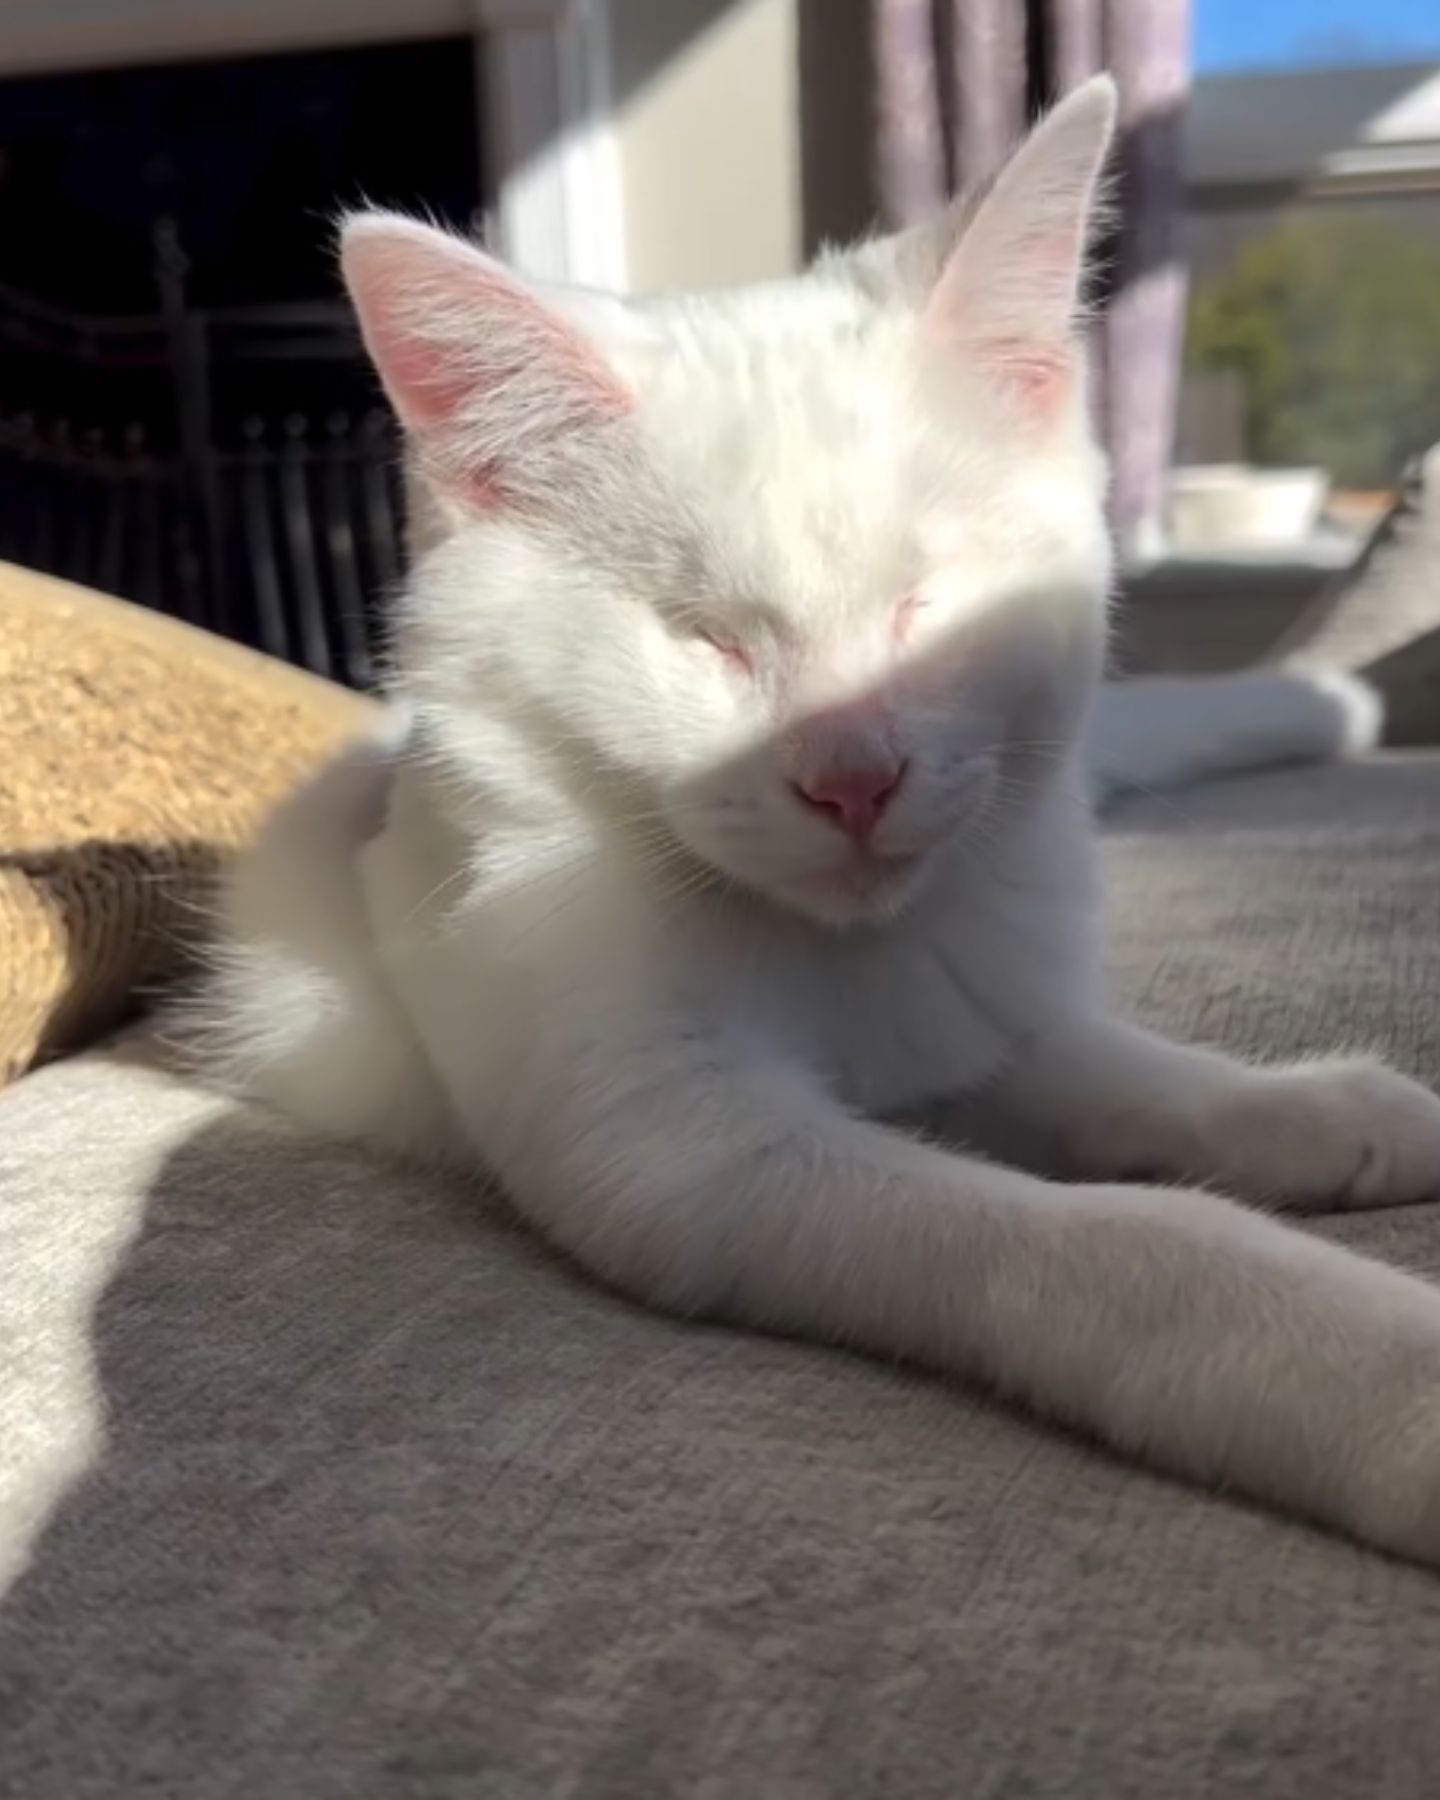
[{"x": 1332, "y": 321}]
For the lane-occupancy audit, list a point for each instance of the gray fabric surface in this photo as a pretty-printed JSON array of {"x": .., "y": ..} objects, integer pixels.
[{"x": 318, "y": 1479}]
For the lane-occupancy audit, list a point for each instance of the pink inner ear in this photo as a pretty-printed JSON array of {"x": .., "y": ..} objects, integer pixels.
[
  {"x": 422, "y": 382},
  {"x": 1038, "y": 373},
  {"x": 449, "y": 331}
]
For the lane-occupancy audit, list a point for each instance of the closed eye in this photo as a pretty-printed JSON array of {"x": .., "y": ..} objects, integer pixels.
[
  {"x": 905, "y": 615},
  {"x": 734, "y": 652}
]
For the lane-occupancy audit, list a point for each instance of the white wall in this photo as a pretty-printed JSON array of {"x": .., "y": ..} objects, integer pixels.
[{"x": 708, "y": 137}]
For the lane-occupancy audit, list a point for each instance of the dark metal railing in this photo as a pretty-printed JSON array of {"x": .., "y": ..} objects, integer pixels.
[
  {"x": 316, "y": 520},
  {"x": 225, "y": 465}
]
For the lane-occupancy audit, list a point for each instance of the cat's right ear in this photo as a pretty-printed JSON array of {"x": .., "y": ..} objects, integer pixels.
[{"x": 489, "y": 380}]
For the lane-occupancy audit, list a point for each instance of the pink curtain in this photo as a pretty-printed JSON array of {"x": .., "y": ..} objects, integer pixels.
[{"x": 956, "y": 82}]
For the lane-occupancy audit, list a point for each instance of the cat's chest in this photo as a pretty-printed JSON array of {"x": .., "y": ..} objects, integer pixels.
[
  {"x": 891, "y": 1021},
  {"x": 888, "y": 1034}
]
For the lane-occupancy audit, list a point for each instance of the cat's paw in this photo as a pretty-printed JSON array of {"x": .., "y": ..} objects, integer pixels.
[{"x": 1336, "y": 1134}]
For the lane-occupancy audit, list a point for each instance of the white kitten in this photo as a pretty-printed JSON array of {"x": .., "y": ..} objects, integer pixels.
[{"x": 735, "y": 805}]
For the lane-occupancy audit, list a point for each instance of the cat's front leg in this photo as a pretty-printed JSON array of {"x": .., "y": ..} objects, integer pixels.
[
  {"x": 1201, "y": 1337},
  {"x": 1109, "y": 1100}
]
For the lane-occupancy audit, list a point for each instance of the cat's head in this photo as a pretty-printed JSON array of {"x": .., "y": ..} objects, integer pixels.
[{"x": 808, "y": 579}]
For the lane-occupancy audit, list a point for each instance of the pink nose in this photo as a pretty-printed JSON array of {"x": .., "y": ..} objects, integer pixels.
[{"x": 852, "y": 799}]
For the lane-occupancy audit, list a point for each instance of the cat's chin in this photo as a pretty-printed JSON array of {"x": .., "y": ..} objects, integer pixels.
[{"x": 864, "y": 890}]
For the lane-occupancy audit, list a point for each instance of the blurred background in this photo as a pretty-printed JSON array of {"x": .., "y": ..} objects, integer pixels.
[{"x": 185, "y": 418}]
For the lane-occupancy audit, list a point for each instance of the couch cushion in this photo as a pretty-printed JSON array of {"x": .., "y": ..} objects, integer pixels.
[
  {"x": 328, "y": 1480},
  {"x": 1286, "y": 912},
  {"x": 135, "y": 751}
]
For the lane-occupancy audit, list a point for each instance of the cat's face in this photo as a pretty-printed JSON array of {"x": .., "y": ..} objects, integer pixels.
[
  {"x": 870, "y": 625},
  {"x": 809, "y": 580}
]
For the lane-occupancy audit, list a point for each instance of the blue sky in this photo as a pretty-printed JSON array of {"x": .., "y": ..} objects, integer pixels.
[{"x": 1239, "y": 34}]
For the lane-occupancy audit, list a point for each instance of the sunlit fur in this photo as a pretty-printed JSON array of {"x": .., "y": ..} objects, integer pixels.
[
  {"x": 810, "y": 471},
  {"x": 566, "y": 919}
]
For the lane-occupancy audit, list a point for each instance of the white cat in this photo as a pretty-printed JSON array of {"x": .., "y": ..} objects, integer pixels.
[{"x": 734, "y": 803}]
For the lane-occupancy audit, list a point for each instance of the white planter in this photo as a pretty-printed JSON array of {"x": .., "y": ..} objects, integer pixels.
[{"x": 1228, "y": 506}]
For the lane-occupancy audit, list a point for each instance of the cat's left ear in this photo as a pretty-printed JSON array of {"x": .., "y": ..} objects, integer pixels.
[
  {"x": 1007, "y": 296},
  {"x": 490, "y": 379},
  {"x": 997, "y": 275}
]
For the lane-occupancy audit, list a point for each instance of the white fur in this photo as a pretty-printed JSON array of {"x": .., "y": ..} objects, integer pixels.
[
  {"x": 1162, "y": 730},
  {"x": 573, "y": 925}
]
